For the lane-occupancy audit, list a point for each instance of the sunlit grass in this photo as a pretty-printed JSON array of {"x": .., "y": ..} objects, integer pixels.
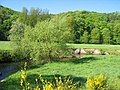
[
  {"x": 5, "y": 45},
  {"x": 100, "y": 46},
  {"x": 77, "y": 68}
]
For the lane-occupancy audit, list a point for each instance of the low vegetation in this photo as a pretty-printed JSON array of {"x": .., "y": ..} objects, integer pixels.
[{"x": 79, "y": 70}]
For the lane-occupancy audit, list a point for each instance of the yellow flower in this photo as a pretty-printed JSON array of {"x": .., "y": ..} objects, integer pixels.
[{"x": 48, "y": 87}]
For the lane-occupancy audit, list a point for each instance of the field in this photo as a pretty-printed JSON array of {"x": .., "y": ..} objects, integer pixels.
[
  {"x": 79, "y": 69},
  {"x": 99, "y": 46},
  {"x": 5, "y": 45}
]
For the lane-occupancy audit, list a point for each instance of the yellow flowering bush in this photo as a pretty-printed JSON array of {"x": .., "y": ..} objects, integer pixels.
[
  {"x": 65, "y": 84},
  {"x": 97, "y": 82},
  {"x": 48, "y": 86},
  {"x": 60, "y": 84}
]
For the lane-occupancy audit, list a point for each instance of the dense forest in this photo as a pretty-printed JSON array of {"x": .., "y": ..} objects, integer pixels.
[
  {"x": 7, "y": 17},
  {"x": 87, "y": 27}
]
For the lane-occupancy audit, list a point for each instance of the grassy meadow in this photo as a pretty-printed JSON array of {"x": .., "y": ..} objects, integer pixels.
[
  {"x": 78, "y": 69},
  {"x": 5, "y": 45}
]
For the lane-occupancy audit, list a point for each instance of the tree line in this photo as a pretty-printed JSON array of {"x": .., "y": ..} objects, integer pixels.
[
  {"x": 95, "y": 28},
  {"x": 87, "y": 27}
]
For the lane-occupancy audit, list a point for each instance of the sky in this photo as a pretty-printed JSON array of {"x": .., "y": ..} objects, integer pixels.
[{"x": 58, "y": 6}]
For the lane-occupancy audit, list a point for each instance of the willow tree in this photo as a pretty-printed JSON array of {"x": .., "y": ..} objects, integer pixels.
[{"x": 47, "y": 40}]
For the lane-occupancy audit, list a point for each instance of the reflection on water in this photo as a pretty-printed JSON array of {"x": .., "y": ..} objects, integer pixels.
[{"x": 7, "y": 68}]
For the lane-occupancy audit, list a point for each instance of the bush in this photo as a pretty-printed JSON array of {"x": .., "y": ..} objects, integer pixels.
[
  {"x": 5, "y": 56},
  {"x": 41, "y": 84},
  {"x": 97, "y": 82}
]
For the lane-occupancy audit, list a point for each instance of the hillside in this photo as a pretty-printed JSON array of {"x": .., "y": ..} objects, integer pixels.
[
  {"x": 93, "y": 27},
  {"x": 7, "y": 16}
]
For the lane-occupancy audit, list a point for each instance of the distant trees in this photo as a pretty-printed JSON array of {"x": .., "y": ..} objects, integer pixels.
[
  {"x": 106, "y": 33},
  {"x": 96, "y": 28},
  {"x": 116, "y": 33},
  {"x": 85, "y": 38},
  {"x": 7, "y": 16},
  {"x": 87, "y": 27},
  {"x": 95, "y": 36},
  {"x": 33, "y": 16}
]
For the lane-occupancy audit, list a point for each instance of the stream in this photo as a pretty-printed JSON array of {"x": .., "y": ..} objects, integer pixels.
[{"x": 7, "y": 69}]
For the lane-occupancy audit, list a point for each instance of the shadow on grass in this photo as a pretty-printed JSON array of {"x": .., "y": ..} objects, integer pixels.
[
  {"x": 14, "y": 83},
  {"x": 83, "y": 60},
  {"x": 87, "y": 59},
  {"x": 79, "y": 81},
  {"x": 78, "y": 60}
]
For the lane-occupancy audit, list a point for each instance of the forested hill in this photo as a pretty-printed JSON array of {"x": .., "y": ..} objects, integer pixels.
[
  {"x": 7, "y": 16},
  {"x": 88, "y": 27},
  {"x": 93, "y": 27}
]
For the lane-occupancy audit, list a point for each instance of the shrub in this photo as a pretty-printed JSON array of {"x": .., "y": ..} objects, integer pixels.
[
  {"x": 97, "y": 82},
  {"x": 59, "y": 84},
  {"x": 5, "y": 56}
]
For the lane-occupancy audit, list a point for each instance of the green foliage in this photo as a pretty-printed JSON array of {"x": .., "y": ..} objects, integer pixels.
[
  {"x": 97, "y": 25},
  {"x": 7, "y": 16},
  {"x": 102, "y": 28},
  {"x": 33, "y": 16},
  {"x": 85, "y": 38},
  {"x": 47, "y": 40},
  {"x": 95, "y": 36},
  {"x": 106, "y": 36},
  {"x": 116, "y": 34},
  {"x": 5, "y": 56},
  {"x": 16, "y": 35}
]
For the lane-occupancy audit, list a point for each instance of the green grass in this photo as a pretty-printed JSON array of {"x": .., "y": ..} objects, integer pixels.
[
  {"x": 99, "y": 46},
  {"x": 5, "y": 45},
  {"x": 77, "y": 68}
]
